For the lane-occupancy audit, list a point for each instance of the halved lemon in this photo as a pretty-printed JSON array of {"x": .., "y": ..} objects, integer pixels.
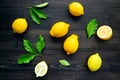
[
  {"x": 104, "y": 32},
  {"x": 41, "y": 69}
]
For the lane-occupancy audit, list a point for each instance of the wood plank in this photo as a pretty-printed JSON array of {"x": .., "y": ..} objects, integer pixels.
[{"x": 11, "y": 47}]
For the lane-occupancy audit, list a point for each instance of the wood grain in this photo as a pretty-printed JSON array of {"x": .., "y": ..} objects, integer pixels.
[{"x": 105, "y": 11}]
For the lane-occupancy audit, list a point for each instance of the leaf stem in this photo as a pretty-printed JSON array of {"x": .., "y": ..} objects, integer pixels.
[{"x": 40, "y": 55}]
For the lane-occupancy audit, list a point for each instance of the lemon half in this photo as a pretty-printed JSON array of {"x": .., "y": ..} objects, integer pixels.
[
  {"x": 41, "y": 69},
  {"x": 104, "y": 32}
]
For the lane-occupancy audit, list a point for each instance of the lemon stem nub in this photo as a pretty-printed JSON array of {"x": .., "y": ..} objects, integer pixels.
[{"x": 14, "y": 32}]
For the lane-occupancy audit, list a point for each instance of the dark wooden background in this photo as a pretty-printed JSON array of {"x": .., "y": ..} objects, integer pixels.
[{"x": 105, "y": 11}]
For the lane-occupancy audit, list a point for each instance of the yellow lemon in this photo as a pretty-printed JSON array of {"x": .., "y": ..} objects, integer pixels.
[
  {"x": 71, "y": 44},
  {"x": 94, "y": 62},
  {"x": 41, "y": 69},
  {"x": 19, "y": 25},
  {"x": 59, "y": 29},
  {"x": 76, "y": 9},
  {"x": 104, "y": 32}
]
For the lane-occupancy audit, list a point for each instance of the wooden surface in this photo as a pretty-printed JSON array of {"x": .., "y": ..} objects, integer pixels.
[{"x": 105, "y": 11}]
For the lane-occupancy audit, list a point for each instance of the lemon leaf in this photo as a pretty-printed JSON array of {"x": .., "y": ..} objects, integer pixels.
[
  {"x": 91, "y": 28},
  {"x": 25, "y": 58},
  {"x": 40, "y": 44},
  {"x": 28, "y": 46},
  {"x": 39, "y": 13},
  {"x": 34, "y": 17},
  {"x": 42, "y": 5},
  {"x": 64, "y": 62}
]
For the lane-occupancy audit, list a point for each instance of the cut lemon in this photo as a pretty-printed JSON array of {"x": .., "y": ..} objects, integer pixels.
[
  {"x": 41, "y": 69},
  {"x": 104, "y": 32}
]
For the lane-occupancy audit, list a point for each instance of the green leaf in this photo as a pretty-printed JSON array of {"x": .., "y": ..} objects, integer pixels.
[
  {"x": 39, "y": 13},
  {"x": 91, "y": 28},
  {"x": 34, "y": 17},
  {"x": 64, "y": 62},
  {"x": 40, "y": 44},
  {"x": 28, "y": 46},
  {"x": 25, "y": 58},
  {"x": 42, "y": 5}
]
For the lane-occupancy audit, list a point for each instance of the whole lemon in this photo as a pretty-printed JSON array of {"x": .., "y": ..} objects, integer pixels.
[
  {"x": 76, "y": 9},
  {"x": 59, "y": 29},
  {"x": 94, "y": 62},
  {"x": 19, "y": 25},
  {"x": 71, "y": 44}
]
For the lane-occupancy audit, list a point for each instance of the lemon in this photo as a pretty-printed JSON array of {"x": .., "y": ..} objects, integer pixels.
[
  {"x": 19, "y": 25},
  {"x": 41, "y": 69},
  {"x": 76, "y": 9},
  {"x": 59, "y": 29},
  {"x": 71, "y": 44},
  {"x": 94, "y": 62},
  {"x": 104, "y": 32}
]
